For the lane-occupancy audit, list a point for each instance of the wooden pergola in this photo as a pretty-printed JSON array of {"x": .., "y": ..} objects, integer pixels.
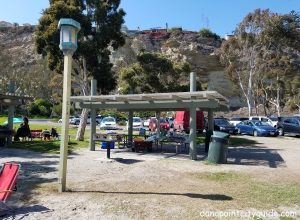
[
  {"x": 192, "y": 101},
  {"x": 11, "y": 101},
  {"x": 209, "y": 101}
]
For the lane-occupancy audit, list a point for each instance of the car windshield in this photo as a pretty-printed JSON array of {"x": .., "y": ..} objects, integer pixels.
[
  {"x": 274, "y": 119},
  {"x": 261, "y": 123},
  {"x": 239, "y": 119},
  {"x": 222, "y": 122},
  {"x": 136, "y": 120},
  {"x": 108, "y": 120}
]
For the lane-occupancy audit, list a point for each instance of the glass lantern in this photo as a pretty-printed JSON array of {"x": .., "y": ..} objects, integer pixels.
[{"x": 69, "y": 29}]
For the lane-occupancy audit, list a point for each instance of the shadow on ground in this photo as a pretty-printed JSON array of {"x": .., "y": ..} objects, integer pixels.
[
  {"x": 126, "y": 161},
  {"x": 22, "y": 212},
  {"x": 218, "y": 197},
  {"x": 261, "y": 156}
]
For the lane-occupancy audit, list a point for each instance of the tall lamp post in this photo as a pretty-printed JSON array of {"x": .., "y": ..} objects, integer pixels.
[{"x": 69, "y": 29}]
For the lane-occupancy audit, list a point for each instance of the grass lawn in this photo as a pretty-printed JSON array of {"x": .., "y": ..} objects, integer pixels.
[
  {"x": 233, "y": 140},
  {"x": 53, "y": 145},
  {"x": 251, "y": 192},
  {"x": 2, "y": 119}
]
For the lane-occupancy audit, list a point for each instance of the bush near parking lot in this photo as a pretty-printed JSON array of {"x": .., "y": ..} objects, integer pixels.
[{"x": 40, "y": 107}]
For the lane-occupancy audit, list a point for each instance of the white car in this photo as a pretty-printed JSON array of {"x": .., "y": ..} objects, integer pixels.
[
  {"x": 70, "y": 119},
  {"x": 137, "y": 123},
  {"x": 108, "y": 123},
  {"x": 263, "y": 118},
  {"x": 146, "y": 122},
  {"x": 236, "y": 120}
]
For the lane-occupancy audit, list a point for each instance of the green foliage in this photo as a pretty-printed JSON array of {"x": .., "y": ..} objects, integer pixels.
[
  {"x": 100, "y": 29},
  {"x": 207, "y": 33},
  {"x": 120, "y": 116},
  {"x": 145, "y": 114},
  {"x": 40, "y": 107},
  {"x": 57, "y": 109},
  {"x": 262, "y": 56},
  {"x": 153, "y": 73}
]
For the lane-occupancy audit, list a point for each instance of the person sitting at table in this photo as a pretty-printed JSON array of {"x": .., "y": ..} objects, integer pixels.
[
  {"x": 46, "y": 134},
  {"x": 24, "y": 130},
  {"x": 54, "y": 133}
]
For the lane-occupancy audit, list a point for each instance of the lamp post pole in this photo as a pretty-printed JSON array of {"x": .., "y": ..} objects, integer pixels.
[
  {"x": 65, "y": 123},
  {"x": 68, "y": 44}
]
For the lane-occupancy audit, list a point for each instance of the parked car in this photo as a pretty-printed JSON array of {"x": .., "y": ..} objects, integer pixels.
[
  {"x": 146, "y": 122},
  {"x": 274, "y": 121},
  {"x": 98, "y": 119},
  {"x": 137, "y": 123},
  {"x": 289, "y": 125},
  {"x": 182, "y": 121},
  {"x": 235, "y": 120},
  {"x": 108, "y": 123},
  {"x": 261, "y": 118},
  {"x": 222, "y": 124},
  {"x": 256, "y": 128},
  {"x": 164, "y": 125},
  {"x": 70, "y": 119},
  {"x": 75, "y": 121}
]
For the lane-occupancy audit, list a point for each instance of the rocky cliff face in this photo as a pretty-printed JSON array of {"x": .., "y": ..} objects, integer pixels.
[
  {"x": 18, "y": 49},
  {"x": 200, "y": 53}
]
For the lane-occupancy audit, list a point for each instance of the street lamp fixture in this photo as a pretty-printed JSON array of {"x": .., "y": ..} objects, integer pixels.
[
  {"x": 68, "y": 44},
  {"x": 69, "y": 29}
]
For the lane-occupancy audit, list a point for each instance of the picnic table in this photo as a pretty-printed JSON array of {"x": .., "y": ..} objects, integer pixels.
[{"x": 108, "y": 138}]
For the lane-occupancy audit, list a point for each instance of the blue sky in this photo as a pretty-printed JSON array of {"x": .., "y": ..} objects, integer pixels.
[{"x": 221, "y": 16}]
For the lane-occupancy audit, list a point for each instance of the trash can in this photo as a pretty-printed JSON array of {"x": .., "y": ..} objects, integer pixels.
[
  {"x": 105, "y": 144},
  {"x": 218, "y": 147},
  {"x": 142, "y": 131}
]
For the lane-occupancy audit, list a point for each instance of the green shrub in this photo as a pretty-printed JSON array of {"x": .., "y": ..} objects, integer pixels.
[
  {"x": 207, "y": 33},
  {"x": 40, "y": 107}
]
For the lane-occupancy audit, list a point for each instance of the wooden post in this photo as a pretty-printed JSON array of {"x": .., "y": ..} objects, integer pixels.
[
  {"x": 65, "y": 123},
  {"x": 193, "y": 121},
  {"x": 210, "y": 117},
  {"x": 210, "y": 129},
  {"x": 93, "y": 116}
]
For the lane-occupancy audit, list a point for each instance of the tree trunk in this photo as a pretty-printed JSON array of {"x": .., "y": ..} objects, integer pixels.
[
  {"x": 278, "y": 96},
  {"x": 84, "y": 113},
  {"x": 245, "y": 94},
  {"x": 82, "y": 125},
  {"x": 265, "y": 107},
  {"x": 249, "y": 94}
]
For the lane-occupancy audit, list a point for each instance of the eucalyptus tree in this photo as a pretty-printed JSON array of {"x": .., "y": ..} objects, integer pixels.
[
  {"x": 263, "y": 53},
  {"x": 100, "y": 33}
]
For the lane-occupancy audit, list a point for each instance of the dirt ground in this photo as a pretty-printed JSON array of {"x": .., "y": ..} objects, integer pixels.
[{"x": 158, "y": 185}]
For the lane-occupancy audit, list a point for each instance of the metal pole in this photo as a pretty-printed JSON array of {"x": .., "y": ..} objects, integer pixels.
[
  {"x": 93, "y": 116},
  {"x": 130, "y": 128},
  {"x": 193, "y": 121},
  {"x": 108, "y": 150},
  {"x": 10, "y": 119},
  {"x": 65, "y": 123}
]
